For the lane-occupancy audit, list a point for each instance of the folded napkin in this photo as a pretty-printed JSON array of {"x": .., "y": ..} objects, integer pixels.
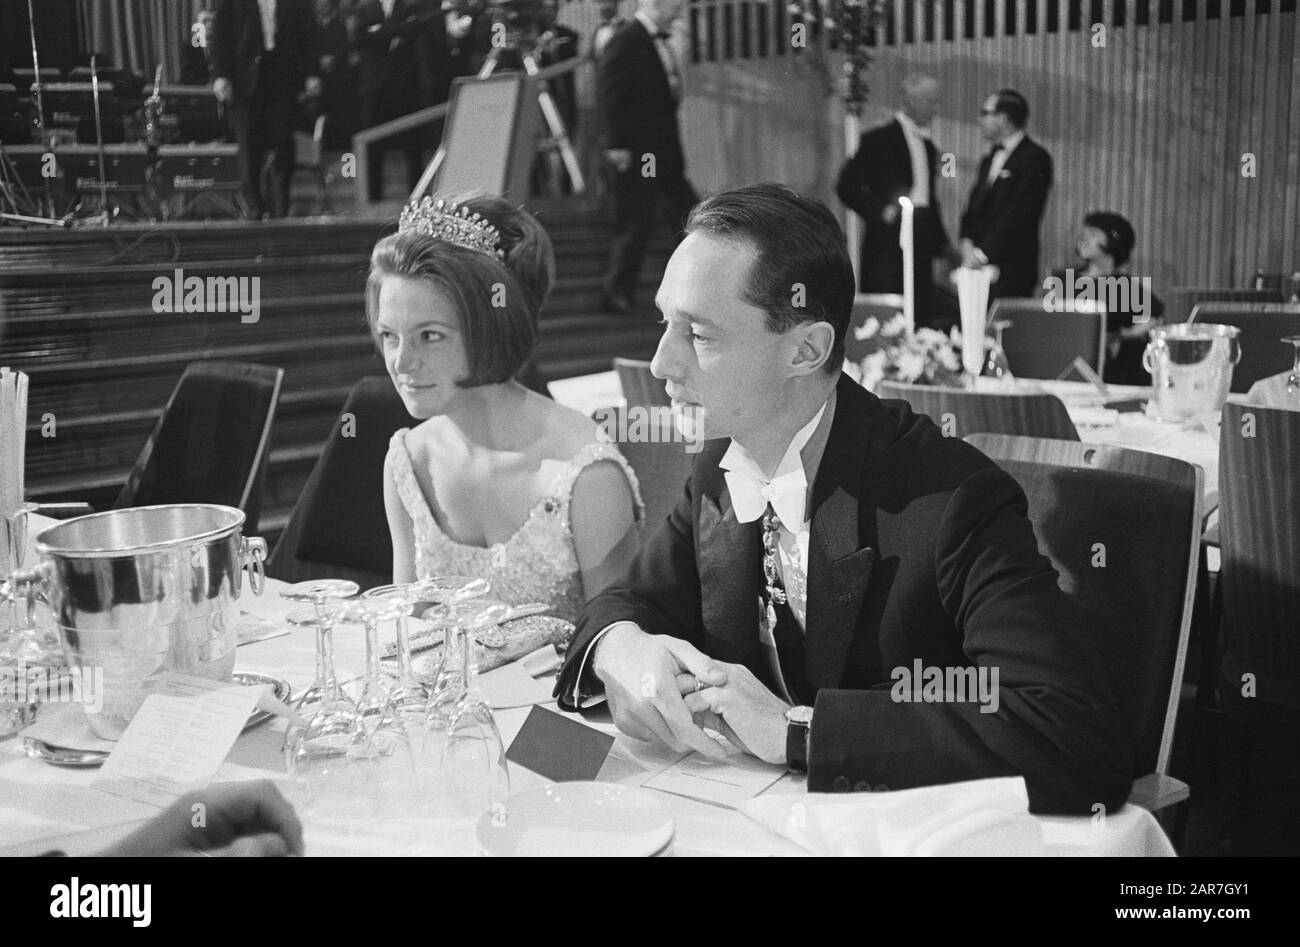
[
  {"x": 979, "y": 817},
  {"x": 973, "y": 300}
]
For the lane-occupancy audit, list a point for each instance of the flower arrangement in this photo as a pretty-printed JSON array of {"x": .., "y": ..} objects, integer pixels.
[
  {"x": 849, "y": 25},
  {"x": 921, "y": 357}
]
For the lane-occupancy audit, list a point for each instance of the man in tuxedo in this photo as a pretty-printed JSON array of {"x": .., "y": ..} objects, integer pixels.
[
  {"x": 895, "y": 160},
  {"x": 827, "y": 539},
  {"x": 1000, "y": 226},
  {"x": 639, "y": 86},
  {"x": 263, "y": 53},
  {"x": 386, "y": 36}
]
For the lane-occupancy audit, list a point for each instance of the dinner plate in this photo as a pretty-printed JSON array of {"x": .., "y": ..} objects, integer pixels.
[
  {"x": 84, "y": 759},
  {"x": 576, "y": 819}
]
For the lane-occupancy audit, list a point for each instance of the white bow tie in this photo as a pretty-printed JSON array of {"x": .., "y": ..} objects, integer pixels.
[{"x": 787, "y": 493}]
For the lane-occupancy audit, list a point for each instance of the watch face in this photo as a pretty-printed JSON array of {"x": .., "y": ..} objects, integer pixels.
[{"x": 799, "y": 715}]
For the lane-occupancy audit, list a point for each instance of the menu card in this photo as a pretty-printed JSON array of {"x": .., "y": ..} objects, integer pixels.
[
  {"x": 177, "y": 739},
  {"x": 731, "y": 782}
]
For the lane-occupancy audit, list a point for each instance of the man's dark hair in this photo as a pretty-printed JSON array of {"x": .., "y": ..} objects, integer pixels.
[
  {"x": 1013, "y": 105},
  {"x": 801, "y": 256}
]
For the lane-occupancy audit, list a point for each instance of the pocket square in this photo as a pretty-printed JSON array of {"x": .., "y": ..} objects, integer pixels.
[{"x": 1004, "y": 173}]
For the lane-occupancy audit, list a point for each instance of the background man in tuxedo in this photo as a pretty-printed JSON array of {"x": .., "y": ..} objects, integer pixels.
[
  {"x": 263, "y": 53},
  {"x": 386, "y": 39},
  {"x": 1000, "y": 226},
  {"x": 639, "y": 88},
  {"x": 895, "y": 160},
  {"x": 774, "y": 613}
]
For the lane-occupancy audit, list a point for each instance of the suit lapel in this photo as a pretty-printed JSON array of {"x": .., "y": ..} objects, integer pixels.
[
  {"x": 729, "y": 563},
  {"x": 838, "y": 569}
]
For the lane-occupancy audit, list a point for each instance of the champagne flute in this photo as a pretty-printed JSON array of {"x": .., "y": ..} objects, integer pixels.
[
  {"x": 473, "y": 773},
  {"x": 996, "y": 365}
]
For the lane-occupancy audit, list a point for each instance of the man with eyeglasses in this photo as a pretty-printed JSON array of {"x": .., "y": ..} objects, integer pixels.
[{"x": 1000, "y": 226}]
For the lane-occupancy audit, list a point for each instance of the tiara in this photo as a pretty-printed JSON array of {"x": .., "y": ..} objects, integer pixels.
[{"x": 454, "y": 223}]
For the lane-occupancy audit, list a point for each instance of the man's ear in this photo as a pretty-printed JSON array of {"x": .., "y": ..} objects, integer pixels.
[{"x": 814, "y": 349}]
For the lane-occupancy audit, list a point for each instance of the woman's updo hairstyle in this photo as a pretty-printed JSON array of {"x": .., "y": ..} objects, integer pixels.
[{"x": 498, "y": 294}]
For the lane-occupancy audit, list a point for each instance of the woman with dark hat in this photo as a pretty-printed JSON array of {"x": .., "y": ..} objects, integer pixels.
[{"x": 1104, "y": 246}]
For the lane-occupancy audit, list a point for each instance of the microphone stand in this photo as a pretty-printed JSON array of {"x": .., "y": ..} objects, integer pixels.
[
  {"x": 105, "y": 214},
  {"x": 8, "y": 173}
]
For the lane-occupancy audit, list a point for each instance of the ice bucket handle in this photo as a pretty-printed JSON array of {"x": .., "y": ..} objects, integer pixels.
[
  {"x": 1150, "y": 353},
  {"x": 252, "y": 553}
]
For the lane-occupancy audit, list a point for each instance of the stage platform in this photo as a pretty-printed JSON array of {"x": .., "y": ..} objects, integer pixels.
[{"x": 81, "y": 313}]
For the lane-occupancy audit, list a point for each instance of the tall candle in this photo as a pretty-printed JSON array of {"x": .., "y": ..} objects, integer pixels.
[{"x": 905, "y": 240}]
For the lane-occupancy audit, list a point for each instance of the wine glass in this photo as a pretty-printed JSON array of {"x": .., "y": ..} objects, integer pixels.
[
  {"x": 409, "y": 695},
  {"x": 323, "y": 732},
  {"x": 380, "y": 743},
  {"x": 996, "y": 365},
  {"x": 324, "y": 595},
  {"x": 1293, "y": 379},
  {"x": 473, "y": 774}
]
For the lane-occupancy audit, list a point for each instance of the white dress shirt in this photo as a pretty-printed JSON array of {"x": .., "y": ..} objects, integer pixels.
[
  {"x": 267, "y": 9},
  {"x": 916, "y": 137},
  {"x": 1002, "y": 154},
  {"x": 806, "y": 449},
  {"x": 388, "y": 7}
]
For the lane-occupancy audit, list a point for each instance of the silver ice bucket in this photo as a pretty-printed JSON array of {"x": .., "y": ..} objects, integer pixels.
[
  {"x": 139, "y": 591},
  {"x": 1191, "y": 368}
]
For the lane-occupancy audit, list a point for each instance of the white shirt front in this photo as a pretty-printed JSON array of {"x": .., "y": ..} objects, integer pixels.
[
  {"x": 916, "y": 137},
  {"x": 267, "y": 9},
  {"x": 1000, "y": 158},
  {"x": 667, "y": 55}
]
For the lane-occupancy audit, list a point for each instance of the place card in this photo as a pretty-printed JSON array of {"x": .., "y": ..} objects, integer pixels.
[
  {"x": 559, "y": 749},
  {"x": 512, "y": 686},
  {"x": 731, "y": 782},
  {"x": 250, "y": 628},
  {"x": 177, "y": 739}
]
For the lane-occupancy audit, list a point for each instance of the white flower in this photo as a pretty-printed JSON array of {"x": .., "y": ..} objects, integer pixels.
[
  {"x": 895, "y": 326},
  {"x": 868, "y": 330},
  {"x": 909, "y": 365}
]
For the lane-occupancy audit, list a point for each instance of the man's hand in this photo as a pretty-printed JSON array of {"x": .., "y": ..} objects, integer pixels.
[
  {"x": 250, "y": 819},
  {"x": 312, "y": 86},
  {"x": 972, "y": 256},
  {"x": 640, "y": 674},
  {"x": 890, "y": 213},
  {"x": 620, "y": 158},
  {"x": 745, "y": 712},
  {"x": 223, "y": 90}
]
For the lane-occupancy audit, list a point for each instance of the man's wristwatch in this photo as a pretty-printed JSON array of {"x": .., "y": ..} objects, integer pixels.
[{"x": 798, "y": 724}]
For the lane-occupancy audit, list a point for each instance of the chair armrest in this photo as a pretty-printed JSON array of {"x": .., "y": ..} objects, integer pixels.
[
  {"x": 62, "y": 511},
  {"x": 1154, "y": 792}
]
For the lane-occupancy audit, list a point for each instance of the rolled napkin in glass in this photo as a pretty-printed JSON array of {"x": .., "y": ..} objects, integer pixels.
[
  {"x": 978, "y": 817},
  {"x": 13, "y": 447},
  {"x": 973, "y": 302}
]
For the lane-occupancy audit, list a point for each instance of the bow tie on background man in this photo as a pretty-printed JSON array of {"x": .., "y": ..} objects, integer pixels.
[{"x": 787, "y": 492}]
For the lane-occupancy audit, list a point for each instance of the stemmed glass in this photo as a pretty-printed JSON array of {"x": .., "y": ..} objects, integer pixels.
[
  {"x": 318, "y": 740},
  {"x": 1293, "y": 379},
  {"x": 325, "y": 596},
  {"x": 473, "y": 771},
  {"x": 996, "y": 364},
  {"x": 380, "y": 740}
]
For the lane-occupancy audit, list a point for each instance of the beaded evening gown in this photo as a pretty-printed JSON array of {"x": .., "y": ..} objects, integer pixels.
[{"x": 538, "y": 563}]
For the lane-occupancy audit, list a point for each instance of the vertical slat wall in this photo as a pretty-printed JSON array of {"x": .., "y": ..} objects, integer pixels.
[{"x": 1153, "y": 124}]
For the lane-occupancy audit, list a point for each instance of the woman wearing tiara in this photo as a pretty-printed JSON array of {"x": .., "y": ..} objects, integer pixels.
[{"x": 498, "y": 481}]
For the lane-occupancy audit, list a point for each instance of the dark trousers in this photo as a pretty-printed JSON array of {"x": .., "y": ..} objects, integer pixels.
[
  {"x": 393, "y": 99},
  {"x": 264, "y": 124},
  {"x": 637, "y": 202},
  {"x": 881, "y": 264}
]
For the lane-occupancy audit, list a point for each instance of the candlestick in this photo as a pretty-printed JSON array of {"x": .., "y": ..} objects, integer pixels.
[{"x": 907, "y": 242}]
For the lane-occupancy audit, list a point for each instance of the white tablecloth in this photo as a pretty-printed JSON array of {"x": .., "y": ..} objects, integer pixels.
[{"x": 44, "y": 807}]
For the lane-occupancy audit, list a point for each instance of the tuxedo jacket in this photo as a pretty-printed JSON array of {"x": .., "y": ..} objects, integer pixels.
[
  {"x": 636, "y": 101},
  {"x": 920, "y": 549},
  {"x": 878, "y": 174},
  {"x": 1002, "y": 218},
  {"x": 237, "y": 44},
  {"x": 380, "y": 59}
]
